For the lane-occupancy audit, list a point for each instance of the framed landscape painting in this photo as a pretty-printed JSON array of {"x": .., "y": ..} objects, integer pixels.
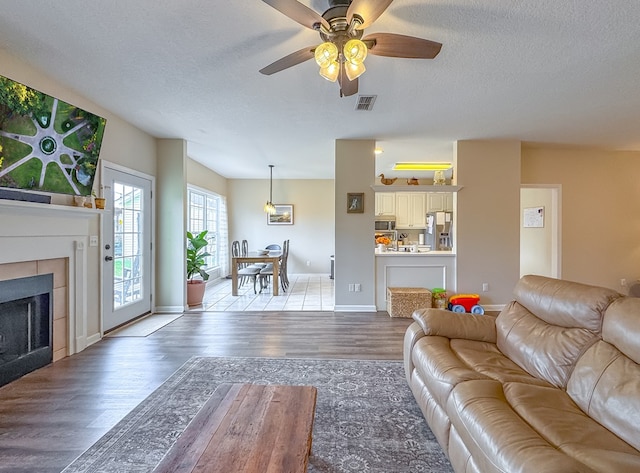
[{"x": 282, "y": 216}]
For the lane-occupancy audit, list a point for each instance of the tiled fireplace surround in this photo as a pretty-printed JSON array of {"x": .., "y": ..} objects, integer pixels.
[
  {"x": 58, "y": 267},
  {"x": 39, "y": 239}
]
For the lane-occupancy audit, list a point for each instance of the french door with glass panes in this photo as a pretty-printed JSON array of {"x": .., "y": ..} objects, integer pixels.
[{"x": 126, "y": 247}]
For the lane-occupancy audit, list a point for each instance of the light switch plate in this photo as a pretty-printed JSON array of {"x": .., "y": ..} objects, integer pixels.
[{"x": 93, "y": 240}]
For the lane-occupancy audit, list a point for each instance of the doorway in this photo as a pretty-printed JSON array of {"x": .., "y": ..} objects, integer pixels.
[
  {"x": 126, "y": 246},
  {"x": 540, "y": 239}
]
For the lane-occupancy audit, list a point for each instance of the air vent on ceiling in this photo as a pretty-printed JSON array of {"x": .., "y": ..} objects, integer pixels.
[{"x": 365, "y": 102}]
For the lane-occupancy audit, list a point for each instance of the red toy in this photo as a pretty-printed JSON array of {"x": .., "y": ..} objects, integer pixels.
[{"x": 466, "y": 303}]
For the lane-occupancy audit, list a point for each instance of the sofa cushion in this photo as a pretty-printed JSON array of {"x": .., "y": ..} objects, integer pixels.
[
  {"x": 442, "y": 363},
  {"x": 564, "y": 303},
  {"x": 497, "y": 437},
  {"x": 621, "y": 326},
  {"x": 486, "y": 359},
  {"x": 552, "y": 413},
  {"x": 439, "y": 367},
  {"x": 545, "y": 351},
  {"x": 606, "y": 385},
  {"x": 449, "y": 324}
]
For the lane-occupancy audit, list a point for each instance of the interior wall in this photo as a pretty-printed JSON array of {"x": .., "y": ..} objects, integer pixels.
[
  {"x": 171, "y": 267},
  {"x": 355, "y": 259},
  {"x": 536, "y": 243},
  {"x": 123, "y": 144},
  {"x": 488, "y": 236},
  {"x": 311, "y": 237},
  {"x": 600, "y": 210},
  {"x": 203, "y": 177}
]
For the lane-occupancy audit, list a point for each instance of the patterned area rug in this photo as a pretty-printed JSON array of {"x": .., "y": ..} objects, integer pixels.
[{"x": 366, "y": 418}]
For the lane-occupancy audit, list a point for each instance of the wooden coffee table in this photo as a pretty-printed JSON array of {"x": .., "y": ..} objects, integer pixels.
[{"x": 247, "y": 428}]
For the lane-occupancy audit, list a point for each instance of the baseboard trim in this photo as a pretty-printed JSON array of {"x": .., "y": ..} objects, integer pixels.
[
  {"x": 95, "y": 338},
  {"x": 168, "y": 309},
  {"x": 355, "y": 308}
]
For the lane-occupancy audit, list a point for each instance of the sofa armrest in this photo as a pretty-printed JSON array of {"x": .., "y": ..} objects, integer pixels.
[{"x": 449, "y": 324}]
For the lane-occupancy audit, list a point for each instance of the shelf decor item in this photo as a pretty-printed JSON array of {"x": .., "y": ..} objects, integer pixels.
[{"x": 355, "y": 202}]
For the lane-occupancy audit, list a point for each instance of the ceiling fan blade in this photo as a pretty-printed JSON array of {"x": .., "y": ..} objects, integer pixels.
[
  {"x": 347, "y": 87},
  {"x": 397, "y": 45},
  {"x": 368, "y": 10},
  {"x": 298, "y": 12},
  {"x": 290, "y": 60}
]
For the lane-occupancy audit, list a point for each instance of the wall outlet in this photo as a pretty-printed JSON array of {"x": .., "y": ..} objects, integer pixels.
[
  {"x": 308, "y": 263},
  {"x": 357, "y": 287},
  {"x": 351, "y": 287},
  {"x": 623, "y": 282},
  {"x": 485, "y": 286}
]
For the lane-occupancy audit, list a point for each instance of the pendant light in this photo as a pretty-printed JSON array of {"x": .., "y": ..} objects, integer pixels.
[{"x": 269, "y": 207}]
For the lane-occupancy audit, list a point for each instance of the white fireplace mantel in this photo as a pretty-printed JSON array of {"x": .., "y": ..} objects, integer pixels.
[{"x": 32, "y": 231}]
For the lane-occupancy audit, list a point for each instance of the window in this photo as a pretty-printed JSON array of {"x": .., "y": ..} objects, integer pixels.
[{"x": 205, "y": 214}]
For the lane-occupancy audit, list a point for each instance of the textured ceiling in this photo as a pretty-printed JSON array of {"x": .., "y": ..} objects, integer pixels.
[{"x": 564, "y": 72}]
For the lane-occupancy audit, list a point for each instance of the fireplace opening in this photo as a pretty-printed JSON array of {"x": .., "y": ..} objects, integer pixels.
[{"x": 26, "y": 325}]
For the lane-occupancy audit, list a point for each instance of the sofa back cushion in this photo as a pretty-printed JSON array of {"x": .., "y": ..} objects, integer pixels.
[
  {"x": 606, "y": 380},
  {"x": 550, "y": 324}
]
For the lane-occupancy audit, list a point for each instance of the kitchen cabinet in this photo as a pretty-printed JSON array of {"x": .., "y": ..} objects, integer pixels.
[
  {"x": 439, "y": 201},
  {"x": 411, "y": 209},
  {"x": 385, "y": 203}
]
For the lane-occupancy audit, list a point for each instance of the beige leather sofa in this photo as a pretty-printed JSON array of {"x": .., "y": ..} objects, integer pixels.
[{"x": 552, "y": 384}]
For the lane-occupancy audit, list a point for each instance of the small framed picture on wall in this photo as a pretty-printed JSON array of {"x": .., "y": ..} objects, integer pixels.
[
  {"x": 282, "y": 216},
  {"x": 355, "y": 202}
]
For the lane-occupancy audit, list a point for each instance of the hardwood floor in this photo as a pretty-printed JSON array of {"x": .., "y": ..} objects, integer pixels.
[{"x": 52, "y": 415}]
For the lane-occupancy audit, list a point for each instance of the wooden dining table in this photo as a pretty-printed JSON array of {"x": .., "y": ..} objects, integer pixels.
[{"x": 253, "y": 257}]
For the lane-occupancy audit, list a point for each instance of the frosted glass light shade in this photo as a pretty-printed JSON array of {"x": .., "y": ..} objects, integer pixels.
[
  {"x": 355, "y": 51},
  {"x": 331, "y": 71},
  {"x": 354, "y": 70},
  {"x": 325, "y": 54}
]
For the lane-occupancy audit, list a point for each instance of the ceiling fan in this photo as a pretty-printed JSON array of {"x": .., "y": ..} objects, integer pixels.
[{"x": 342, "y": 53}]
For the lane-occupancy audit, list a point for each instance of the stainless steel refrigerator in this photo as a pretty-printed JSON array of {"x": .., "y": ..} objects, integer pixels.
[{"x": 439, "y": 232}]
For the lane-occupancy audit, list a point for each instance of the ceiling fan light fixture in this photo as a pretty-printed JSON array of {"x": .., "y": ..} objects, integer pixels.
[
  {"x": 354, "y": 70},
  {"x": 325, "y": 54},
  {"x": 355, "y": 51},
  {"x": 422, "y": 166},
  {"x": 331, "y": 72}
]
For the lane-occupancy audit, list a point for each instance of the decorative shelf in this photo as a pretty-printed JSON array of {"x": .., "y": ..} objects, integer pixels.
[
  {"x": 419, "y": 188},
  {"x": 35, "y": 208}
]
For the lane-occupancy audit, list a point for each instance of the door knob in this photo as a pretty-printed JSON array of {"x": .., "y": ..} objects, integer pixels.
[{"x": 108, "y": 258}]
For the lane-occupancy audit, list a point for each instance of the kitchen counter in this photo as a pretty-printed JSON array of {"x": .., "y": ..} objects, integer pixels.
[{"x": 418, "y": 253}]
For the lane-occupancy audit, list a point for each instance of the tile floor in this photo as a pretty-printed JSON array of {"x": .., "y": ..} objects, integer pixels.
[{"x": 313, "y": 292}]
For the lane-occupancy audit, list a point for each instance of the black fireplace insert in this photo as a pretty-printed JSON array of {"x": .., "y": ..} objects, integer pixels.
[{"x": 26, "y": 325}]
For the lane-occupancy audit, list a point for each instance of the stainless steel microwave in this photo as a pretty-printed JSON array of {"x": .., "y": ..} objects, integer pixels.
[{"x": 385, "y": 224}]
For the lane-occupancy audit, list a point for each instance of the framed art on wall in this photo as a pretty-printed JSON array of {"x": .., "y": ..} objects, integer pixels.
[
  {"x": 355, "y": 202},
  {"x": 282, "y": 216}
]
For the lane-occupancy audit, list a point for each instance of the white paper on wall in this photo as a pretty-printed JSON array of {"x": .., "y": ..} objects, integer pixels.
[{"x": 533, "y": 217}]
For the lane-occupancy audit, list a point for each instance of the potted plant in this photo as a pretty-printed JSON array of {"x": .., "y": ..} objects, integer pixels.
[
  {"x": 100, "y": 201},
  {"x": 196, "y": 254}
]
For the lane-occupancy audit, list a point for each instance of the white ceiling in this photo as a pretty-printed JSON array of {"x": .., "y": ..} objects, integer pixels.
[{"x": 548, "y": 71}]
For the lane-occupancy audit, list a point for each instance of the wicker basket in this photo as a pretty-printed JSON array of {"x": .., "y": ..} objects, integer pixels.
[{"x": 402, "y": 301}]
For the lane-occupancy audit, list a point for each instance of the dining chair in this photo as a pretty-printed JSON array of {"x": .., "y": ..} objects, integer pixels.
[
  {"x": 244, "y": 272},
  {"x": 285, "y": 259},
  {"x": 267, "y": 273},
  {"x": 264, "y": 279},
  {"x": 245, "y": 252}
]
